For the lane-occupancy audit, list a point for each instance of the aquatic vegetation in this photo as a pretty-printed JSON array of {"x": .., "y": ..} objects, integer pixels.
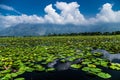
[
  {"x": 97, "y": 71},
  {"x": 77, "y": 66},
  {"x": 115, "y": 66},
  {"x": 104, "y": 75},
  {"x": 19, "y": 79},
  {"x": 45, "y": 54},
  {"x": 50, "y": 69}
]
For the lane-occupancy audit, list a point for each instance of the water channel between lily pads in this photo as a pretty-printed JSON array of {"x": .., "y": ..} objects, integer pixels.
[
  {"x": 64, "y": 72},
  {"x": 115, "y": 58}
]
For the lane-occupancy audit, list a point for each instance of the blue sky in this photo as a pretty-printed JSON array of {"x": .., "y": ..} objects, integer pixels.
[
  {"x": 30, "y": 7},
  {"x": 78, "y": 12}
]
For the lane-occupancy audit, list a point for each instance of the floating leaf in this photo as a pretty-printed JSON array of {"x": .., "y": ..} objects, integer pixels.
[
  {"x": 92, "y": 65},
  {"x": 19, "y": 79},
  {"x": 39, "y": 68},
  {"x": 14, "y": 74},
  {"x": 115, "y": 66},
  {"x": 50, "y": 69},
  {"x": 76, "y": 66},
  {"x": 104, "y": 75},
  {"x": 86, "y": 69}
]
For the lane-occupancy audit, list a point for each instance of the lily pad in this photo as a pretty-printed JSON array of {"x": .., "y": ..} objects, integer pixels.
[
  {"x": 76, "y": 66},
  {"x": 19, "y": 79},
  {"x": 104, "y": 75}
]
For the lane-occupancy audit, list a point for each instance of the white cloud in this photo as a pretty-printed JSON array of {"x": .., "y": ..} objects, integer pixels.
[
  {"x": 12, "y": 20},
  {"x": 9, "y": 8},
  {"x": 2, "y": 6},
  {"x": 69, "y": 14},
  {"x": 52, "y": 16},
  {"x": 106, "y": 15}
]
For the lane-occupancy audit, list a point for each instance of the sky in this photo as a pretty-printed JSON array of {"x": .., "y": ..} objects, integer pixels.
[{"x": 77, "y": 12}]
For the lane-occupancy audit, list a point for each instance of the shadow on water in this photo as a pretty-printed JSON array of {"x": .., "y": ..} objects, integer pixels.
[
  {"x": 115, "y": 58},
  {"x": 64, "y": 72},
  {"x": 116, "y": 61},
  {"x": 69, "y": 74},
  {"x": 112, "y": 57},
  {"x": 60, "y": 75},
  {"x": 114, "y": 73},
  {"x": 4, "y": 45}
]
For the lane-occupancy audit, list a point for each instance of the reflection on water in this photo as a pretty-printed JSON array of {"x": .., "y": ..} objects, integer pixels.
[
  {"x": 60, "y": 75},
  {"x": 106, "y": 54},
  {"x": 3, "y": 44},
  {"x": 65, "y": 72}
]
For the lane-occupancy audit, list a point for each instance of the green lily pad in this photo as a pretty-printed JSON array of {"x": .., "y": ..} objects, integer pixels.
[
  {"x": 92, "y": 65},
  {"x": 115, "y": 66},
  {"x": 8, "y": 76},
  {"x": 76, "y": 66},
  {"x": 39, "y": 68},
  {"x": 14, "y": 74},
  {"x": 104, "y": 75},
  {"x": 50, "y": 69},
  {"x": 86, "y": 69},
  {"x": 63, "y": 60},
  {"x": 95, "y": 70},
  {"x": 19, "y": 79}
]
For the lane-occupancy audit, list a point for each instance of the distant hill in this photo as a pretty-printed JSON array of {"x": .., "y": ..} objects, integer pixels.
[{"x": 45, "y": 29}]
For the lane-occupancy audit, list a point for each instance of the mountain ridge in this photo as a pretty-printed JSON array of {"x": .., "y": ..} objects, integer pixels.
[{"x": 45, "y": 29}]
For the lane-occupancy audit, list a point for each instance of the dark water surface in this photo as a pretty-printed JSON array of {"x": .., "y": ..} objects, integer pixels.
[
  {"x": 64, "y": 72},
  {"x": 60, "y": 75}
]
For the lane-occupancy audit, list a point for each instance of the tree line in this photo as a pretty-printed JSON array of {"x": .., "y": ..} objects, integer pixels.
[{"x": 85, "y": 33}]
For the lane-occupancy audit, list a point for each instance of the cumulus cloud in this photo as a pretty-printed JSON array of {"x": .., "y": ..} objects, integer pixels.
[
  {"x": 12, "y": 20},
  {"x": 52, "y": 16},
  {"x": 9, "y": 8},
  {"x": 69, "y": 14},
  {"x": 106, "y": 15}
]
